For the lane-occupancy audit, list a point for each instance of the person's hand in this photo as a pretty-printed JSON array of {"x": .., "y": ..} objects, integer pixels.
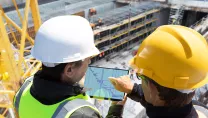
[
  {"x": 122, "y": 84},
  {"x": 120, "y": 102}
]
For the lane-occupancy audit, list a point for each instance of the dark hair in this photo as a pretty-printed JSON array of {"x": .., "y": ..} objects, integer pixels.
[
  {"x": 54, "y": 73},
  {"x": 172, "y": 97}
]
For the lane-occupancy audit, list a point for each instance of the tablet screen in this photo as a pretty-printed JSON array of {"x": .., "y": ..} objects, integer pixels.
[{"x": 96, "y": 79}]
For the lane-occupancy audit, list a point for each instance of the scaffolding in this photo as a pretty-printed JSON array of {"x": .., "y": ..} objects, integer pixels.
[
  {"x": 9, "y": 3},
  {"x": 120, "y": 14},
  {"x": 201, "y": 26},
  {"x": 48, "y": 11},
  {"x": 176, "y": 14},
  {"x": 124, "y": 21},
  {"x": 56, "y": 8},
  {"x": 124, "y": 26}
]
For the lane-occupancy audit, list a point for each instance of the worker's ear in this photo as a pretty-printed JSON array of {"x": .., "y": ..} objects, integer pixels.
[
  {"x": 68, "y": 71},
  {"x": 152, "y": 89},
  {"x": 151, "y": 86}
]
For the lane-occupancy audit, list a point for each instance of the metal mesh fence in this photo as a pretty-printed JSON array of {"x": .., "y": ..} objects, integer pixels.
[
  {"x": 119, "y": 14},
  {"x": 56, "y": 8}
]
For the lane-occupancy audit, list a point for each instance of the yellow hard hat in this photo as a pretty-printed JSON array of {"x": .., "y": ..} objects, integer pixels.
[{"x": 174, "y": 57}]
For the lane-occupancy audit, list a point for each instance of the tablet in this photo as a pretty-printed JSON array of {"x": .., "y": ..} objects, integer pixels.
[{"x": 96, "y": 79}]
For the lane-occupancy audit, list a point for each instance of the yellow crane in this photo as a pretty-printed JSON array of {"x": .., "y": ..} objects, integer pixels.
[{"x": 14, "y": 67}]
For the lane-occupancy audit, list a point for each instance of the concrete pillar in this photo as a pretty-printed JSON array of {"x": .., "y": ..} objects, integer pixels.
[{"x": 191, "y": 18}]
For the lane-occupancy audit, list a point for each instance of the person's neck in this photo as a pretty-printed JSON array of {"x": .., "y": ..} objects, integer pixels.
[
  {"x": 67, "y": 80},
  {"x": 158, "y": 103},
  {"x": 168, "y": 111}
]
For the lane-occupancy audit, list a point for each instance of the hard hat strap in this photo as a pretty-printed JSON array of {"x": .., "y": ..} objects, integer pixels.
[
  {"x": 186, "y": 91},
  {"x": 146, "y": 81},
  {"x": 50, "y": 64},
  {"x": 53, "y": 64}
]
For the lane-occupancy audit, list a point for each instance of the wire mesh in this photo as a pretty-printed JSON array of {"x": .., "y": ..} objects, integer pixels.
[
  {"x": 63, "y": 7},
  {"x": 45, "y": 10},
  {"x": 119, "y": 14},
  {"x": 56, "y": 8}
]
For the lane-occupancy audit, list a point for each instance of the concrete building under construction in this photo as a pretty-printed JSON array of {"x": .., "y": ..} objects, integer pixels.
[{"x": 118, "y": 24}]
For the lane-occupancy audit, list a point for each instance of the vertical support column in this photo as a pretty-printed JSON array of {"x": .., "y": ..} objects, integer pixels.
[
  {"x": 191, "y": 18},
  {"x": 7, "y": 56},
  {"x": 35, "y": 14}
]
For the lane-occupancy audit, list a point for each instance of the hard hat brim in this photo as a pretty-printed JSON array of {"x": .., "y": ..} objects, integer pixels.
[
  {"x": 201, "y": 83},
  {"x": 132, "y": 63},
  {"x": 94, "y": 51},
  {"x": 204, "y": 81}
]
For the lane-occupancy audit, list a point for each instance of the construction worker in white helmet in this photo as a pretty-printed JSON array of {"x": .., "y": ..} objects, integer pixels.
[
  {"x": 172, "y": 62},
  {"x": 64, "y": 45}
]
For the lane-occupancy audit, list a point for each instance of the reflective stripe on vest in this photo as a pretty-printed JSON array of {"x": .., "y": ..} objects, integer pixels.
[
  {"x": 19, "y": 93},
  {"x": 23, "y": 99},
  {"x": 68, "y": 107}
]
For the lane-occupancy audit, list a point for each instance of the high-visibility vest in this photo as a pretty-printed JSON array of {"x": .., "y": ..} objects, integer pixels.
[{"x": 28, "y": 107}]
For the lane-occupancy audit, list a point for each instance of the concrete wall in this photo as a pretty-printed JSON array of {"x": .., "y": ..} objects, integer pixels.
[
  {"x": 163, "y": 16},
  {"x": 6, "y": 3},
  {"x": 191, "y": 3},
  {"x": 120, "y": 4},
  {"x": 191, "y": 17}
]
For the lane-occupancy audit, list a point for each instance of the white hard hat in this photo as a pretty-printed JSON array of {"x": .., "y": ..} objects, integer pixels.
[{"x": 64, "y": 39}]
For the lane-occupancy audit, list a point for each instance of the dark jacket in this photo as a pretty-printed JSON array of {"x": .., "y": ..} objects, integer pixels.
[
  {"x": 51, "y": 92},
  {"x": 187, "y": 111}
]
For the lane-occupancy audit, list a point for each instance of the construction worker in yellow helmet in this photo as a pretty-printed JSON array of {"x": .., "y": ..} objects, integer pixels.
[
  {"x": 64, "y": 45},
  {"x": 172, "y": 62}
]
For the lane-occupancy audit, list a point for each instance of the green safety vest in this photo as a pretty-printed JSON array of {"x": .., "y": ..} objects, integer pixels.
[{"x": 28, "y": 107}]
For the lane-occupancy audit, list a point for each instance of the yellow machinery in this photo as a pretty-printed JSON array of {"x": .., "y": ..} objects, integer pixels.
[{"x": 14, "y": 69}]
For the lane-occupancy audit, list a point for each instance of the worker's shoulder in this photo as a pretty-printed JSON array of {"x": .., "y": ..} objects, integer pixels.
[
  {"x": 201, "y": 111},
  {"x": 77, "y": 108},
  {"x": 24, "y": 85},
  {"x": 27, "y": 80},
  {"x": 86, "y": 112}
]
